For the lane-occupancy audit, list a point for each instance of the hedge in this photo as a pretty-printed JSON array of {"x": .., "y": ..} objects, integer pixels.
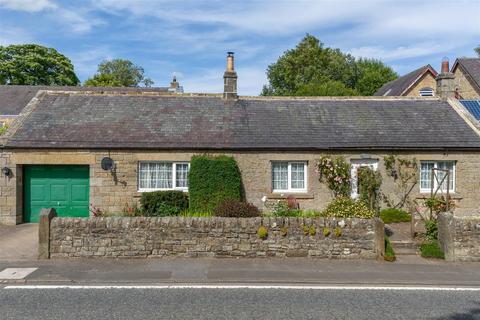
[
  {"x": 163, "y": 203},
  {"x": 212, "y": 180}
]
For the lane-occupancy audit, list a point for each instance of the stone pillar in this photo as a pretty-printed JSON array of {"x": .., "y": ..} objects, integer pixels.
[
  {"x": 379, "y": 238},
  {"x": 46, "y": 216},
  {"x": 445, "y": 239}
]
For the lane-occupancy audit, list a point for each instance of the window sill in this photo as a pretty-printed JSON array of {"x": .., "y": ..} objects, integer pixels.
[
  {"x": 138, "y": 194},
  {"x": 285, "y": 195},
  {"x": 424, "y": 195}
]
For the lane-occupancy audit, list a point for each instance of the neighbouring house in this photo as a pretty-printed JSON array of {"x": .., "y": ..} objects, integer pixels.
[
  {"x": 467, "y": 78},
  {"x": 422, "y": 83},
  {"x": 418, "y": 83},
  {"x": 56, "y": 152}
]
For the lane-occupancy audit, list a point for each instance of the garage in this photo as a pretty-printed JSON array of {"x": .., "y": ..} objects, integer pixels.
[{"x": 63, "y": 187}]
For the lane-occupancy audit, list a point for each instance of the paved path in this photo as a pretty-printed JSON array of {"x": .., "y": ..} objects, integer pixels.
[
  {"x": 407, "y": 271},
  {"x": 237, "y": 303},
  {"x": 19, "y": 242}
]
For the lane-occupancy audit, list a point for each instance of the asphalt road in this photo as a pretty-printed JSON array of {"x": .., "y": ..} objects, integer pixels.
[{"x": 240, "y": 303}]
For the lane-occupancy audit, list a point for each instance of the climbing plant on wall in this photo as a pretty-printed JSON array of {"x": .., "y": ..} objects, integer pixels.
[
  {"x": 335, "y": 173},
  {"x": 369, "y": 182},
  {"x": 405, "y": 175}
]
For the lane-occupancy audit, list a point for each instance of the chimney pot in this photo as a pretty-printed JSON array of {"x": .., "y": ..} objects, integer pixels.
[
  {"x": 230, "y": 62},
  {"x": 445, "y": 65}
]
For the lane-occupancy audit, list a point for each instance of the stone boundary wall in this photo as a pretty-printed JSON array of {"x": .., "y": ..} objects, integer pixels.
[
  {"x": 459, "y": 237},
  {"x": 141, "y": 237}
]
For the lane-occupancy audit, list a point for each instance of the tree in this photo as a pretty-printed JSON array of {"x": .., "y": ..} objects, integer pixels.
[
  {"x": 119, "y": 72},
  {"x": 32, "y": 64},
  {"x": 477, "y": 50},
  {"x": 311, "y": 66},
  {"x": 325, "y": 88},
  {"x": 371, "y": 75},
  {"x": 102, "y": 80}
]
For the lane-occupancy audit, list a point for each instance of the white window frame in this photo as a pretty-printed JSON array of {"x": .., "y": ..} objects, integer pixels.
[
  {"x": 355, "y": 164},
  {"x": 435, "y": 184},
  {"x": 174, "y": 176},
  {"x": 425, "y": 90},
  {"x": 289, "y": 177}
]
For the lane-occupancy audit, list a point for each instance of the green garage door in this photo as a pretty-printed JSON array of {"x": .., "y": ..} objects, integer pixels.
[{"x": 65, "y": 188}]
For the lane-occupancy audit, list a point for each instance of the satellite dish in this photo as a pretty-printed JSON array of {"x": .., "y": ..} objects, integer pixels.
[{"x": 107, "y": 163}]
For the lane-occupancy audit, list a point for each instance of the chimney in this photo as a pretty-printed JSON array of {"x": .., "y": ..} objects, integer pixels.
[
  {"x": 230, "y": 79},
  {"x": 174, "y": 84},
  {"x": 445, "y": 82}
]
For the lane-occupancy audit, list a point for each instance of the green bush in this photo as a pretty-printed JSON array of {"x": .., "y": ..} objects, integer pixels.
[
  {"x": 431, "y": 249},
  {"x": 392, "y": 215},
  {"x": 163, "y": 203},
  {"x": 432, "y": 229},
  {"x": 212, "y": 180},
  {"x": 262, "y": 233},
  {"x": 236, "y": 209},
  {"x": 347, "y": 208},
  {"x": 389, "y": 253}
]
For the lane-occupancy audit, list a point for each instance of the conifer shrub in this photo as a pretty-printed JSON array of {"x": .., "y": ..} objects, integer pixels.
[{"x": 212, "y": 180}]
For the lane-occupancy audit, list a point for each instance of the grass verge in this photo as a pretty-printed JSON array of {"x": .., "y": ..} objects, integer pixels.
[{"x": 431, "y": 249}]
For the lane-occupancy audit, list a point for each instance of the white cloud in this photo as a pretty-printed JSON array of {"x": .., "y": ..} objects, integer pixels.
[
  {"x": 14, "y": 35},
  {"x": 76, "y": 21},
  {"x": 28, "y": 5},
  {"x": 86, "y": 60},
  {"x": 75, "y": 18},
  {"x": 401, "y": 52}
]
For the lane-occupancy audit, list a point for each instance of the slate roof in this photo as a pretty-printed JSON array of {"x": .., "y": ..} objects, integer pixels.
[
  {"x": 14, "y": 98},
  {"x": 471, "y": 66},
  {"x": 400, "y": 85},
  {"x": 208, "y": 122}
]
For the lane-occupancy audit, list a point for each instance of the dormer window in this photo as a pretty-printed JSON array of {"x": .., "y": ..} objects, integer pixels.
[{"x": 426, "y": 92}]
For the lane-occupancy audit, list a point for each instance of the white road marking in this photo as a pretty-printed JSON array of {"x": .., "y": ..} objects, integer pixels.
[
  {"x": 282, "y": 287},
  {"x": 15, "y": 273}
]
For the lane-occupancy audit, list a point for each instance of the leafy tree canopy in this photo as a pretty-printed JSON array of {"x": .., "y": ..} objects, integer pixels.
[
  {"x": 119, "y": 72},
  {"x": 32, "y": 64},
  {"x": 310, "y": 67},
  {"x": 103, "y": 80},
  {"x": 477, "y": 50}
]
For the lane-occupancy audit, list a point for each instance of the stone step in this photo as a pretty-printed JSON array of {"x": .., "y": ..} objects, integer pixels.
[{"x": 404, "y": 247}]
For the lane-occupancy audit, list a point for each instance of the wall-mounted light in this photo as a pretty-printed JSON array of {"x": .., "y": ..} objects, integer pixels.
[{"x": 7, "y": 172}]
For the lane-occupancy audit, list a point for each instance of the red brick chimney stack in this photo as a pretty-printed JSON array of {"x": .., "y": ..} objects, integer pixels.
[{"x": 445, "y": 82}]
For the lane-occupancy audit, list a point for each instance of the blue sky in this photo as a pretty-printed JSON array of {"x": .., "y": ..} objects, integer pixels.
[{"x": 189, "y": 38}]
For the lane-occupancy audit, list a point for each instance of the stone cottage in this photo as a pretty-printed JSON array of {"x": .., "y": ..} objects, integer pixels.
[
  {"x": 417, "y": 83},
  {"x": 74, "y": 149}
]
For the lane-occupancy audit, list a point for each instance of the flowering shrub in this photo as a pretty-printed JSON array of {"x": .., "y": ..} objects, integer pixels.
[
  {"x": 283, "y": 208},
  {"x": 335, "y": 172},
  {"x": 344, "y": 207}
]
